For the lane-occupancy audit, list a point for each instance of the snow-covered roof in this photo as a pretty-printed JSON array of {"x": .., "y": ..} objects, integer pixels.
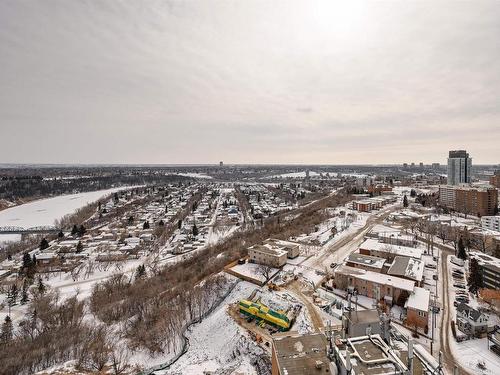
[
  {"x": 366, "y": 260},
  {"x": 378, "y": 278},
  {"x": 373, "y": 244},
  {"x": 46, "y": 256},
  {"x": 411, "y": 268},
  {"x": 485, "y": 259},
  {"x": 419, "y": 299}
]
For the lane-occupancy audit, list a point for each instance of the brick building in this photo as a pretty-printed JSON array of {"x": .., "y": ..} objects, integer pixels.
[
  {"x": 495, "y": 179},
  {"x": 480, "y": 201}
]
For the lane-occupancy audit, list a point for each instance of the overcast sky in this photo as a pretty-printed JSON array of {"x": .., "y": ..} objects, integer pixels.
[{"x": 248, "y": 82}]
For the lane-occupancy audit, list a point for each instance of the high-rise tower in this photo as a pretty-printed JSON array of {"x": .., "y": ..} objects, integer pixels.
[{"x": 459, "y": 167}]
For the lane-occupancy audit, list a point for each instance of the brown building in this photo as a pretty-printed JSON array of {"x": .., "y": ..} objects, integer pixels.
[
  {"x": 495, "y": 179},
  {"x": 417, "y": 308},
  {"x": 378, "y": 189},
  {"x": 480, "y": 201},
  {"x": 375, "y": 285}
]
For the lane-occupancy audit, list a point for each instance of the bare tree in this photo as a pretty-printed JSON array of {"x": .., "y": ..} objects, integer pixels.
[{"x": 266, "y": 271}]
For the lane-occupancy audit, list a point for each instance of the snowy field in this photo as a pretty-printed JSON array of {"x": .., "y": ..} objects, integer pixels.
[{"x": 44, "y": 212}]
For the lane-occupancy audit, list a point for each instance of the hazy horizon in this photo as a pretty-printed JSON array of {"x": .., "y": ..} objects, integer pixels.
[{"x": 286, "y": 82}]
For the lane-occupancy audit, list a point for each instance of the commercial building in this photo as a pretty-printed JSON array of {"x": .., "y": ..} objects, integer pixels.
[
  {"x": 480, "y": 201},
  {"x": 491, "y": 222},
  {"x": 373, "y": 284},
  {"x": 267, "y": 256},
  {"x": 297, "y": 354},
  {"x": 459, "y": 167}
]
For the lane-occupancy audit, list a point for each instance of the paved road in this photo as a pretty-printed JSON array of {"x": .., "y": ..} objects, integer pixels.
[
  {"x": 449, "y": 360},
  {"x": 350, "y": 243}
]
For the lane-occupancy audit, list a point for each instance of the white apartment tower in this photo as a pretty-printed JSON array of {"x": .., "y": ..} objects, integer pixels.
[{"x": 459, "y": 167}]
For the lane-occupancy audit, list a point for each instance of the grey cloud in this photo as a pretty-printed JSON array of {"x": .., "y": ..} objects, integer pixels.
[{"x": 181, "y": 82}]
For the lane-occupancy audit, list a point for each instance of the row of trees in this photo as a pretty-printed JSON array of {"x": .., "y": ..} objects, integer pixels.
[{"x": 53, "y": 332}]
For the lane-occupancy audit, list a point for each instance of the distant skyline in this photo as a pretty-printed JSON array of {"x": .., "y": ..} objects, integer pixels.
[{"x": 257, "y": 82}]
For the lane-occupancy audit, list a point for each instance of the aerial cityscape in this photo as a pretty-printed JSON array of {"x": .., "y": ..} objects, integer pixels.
[{"x": 249, "y": 188}]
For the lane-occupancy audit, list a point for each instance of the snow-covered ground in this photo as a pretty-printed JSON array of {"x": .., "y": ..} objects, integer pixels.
[
  {"x": 470, "y": 352},
  {"x": 218, "y": 343},
  {"x": 253, "y": 271},
  {"x": 44, "y": 212}
]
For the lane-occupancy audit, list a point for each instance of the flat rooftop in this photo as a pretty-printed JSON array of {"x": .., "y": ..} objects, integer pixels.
[
  {"x": 363, "y": 316},
  {"x": 298, "y": 354},
  {"x": 266, "y": 249},
  {"x": 366, "y": 260},
  {"x": 378, "y": 278},
  {"x": 373, "y": 244},
  {"x": 371, "y": 356},
  {"x": 485, "y": 259}
]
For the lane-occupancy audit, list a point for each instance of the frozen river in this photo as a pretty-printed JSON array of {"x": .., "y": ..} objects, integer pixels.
[{"x": 46, "y": 211}]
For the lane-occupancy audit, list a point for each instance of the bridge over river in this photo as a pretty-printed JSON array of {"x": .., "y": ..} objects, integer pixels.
[{"x": 32, "y": 230}]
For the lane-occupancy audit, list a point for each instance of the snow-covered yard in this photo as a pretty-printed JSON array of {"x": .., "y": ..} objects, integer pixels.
[{"x": 253, "y": 271}]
